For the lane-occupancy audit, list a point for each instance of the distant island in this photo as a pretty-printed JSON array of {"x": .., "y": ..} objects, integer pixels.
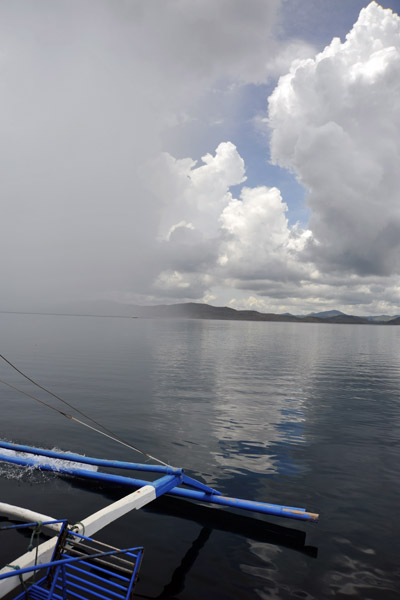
[{"x": 194, "y": 310}]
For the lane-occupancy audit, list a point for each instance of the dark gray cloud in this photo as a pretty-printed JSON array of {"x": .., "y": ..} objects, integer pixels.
[{"x": 88, "y": 89}]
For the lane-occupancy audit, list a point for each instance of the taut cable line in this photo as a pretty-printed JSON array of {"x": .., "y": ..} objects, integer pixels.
[{"x": 103, "y": 431}]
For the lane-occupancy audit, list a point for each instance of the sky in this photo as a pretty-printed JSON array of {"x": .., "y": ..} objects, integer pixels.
[{"x": 237, "y": 153}]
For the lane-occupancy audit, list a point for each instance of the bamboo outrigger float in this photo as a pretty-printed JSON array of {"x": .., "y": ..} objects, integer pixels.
[{"x": 170, "y": 483}]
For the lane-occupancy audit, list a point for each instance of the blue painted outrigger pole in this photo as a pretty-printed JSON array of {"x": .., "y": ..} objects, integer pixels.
[{"x": 169, "y": 483}]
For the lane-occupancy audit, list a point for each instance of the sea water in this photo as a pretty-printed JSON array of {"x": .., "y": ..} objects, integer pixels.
[{"x": 299, "y": 414}]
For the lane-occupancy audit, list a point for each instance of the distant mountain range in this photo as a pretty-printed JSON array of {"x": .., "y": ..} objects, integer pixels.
[
  {"x": 326, "y": 314},
  {"x": 193, "y": 310},
  {"x": 337, "y": 313}
]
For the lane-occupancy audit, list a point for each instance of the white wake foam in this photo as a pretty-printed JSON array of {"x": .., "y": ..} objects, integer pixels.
[{"x": 13, "y": 471}]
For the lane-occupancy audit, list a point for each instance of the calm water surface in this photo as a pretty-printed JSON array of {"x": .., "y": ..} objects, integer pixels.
[{"x": 298, "y": 414}]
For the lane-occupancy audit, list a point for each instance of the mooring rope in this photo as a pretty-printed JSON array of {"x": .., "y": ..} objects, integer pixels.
[
  {"x": 103, "y": 431},
  {"x": 21, "y": 580},
  {"x": 34, "y": 544}
]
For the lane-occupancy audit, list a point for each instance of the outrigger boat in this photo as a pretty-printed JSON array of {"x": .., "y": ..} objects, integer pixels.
[{"x": 73, "y": 564}]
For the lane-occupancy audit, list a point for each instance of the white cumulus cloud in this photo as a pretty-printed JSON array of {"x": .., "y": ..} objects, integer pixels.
[
  {"x": 335, "y": 123},
  {"x": 207, "y": 235},
  {"x": 259, "y": 243}
]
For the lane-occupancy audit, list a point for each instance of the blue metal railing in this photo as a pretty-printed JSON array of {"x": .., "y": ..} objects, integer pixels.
[
  {"x": 106, "y": 575},
  {"x": 33, "y": 524}
]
